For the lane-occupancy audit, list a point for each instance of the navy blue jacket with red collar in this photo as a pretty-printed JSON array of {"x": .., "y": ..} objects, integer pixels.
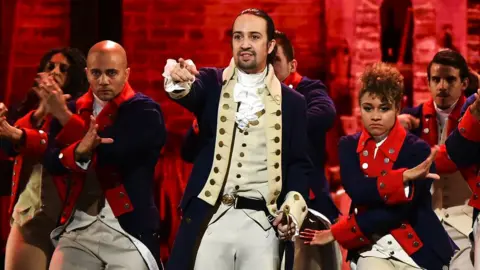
[
  {"x": 376, "y": 187},
  {"x": 463, "y": 147},
  {"x": 125, "y": 168}
]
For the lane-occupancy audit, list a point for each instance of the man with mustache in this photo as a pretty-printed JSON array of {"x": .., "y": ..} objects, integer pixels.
[
  {"x": 109, "y": 219},
  {"x": 245, "y": 197},
  {"x": 433, "y": 121}
]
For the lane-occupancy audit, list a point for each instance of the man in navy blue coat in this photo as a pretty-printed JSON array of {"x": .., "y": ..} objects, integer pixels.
[
  {"x": 245, "y": 196},
  {"x": 320, "y": 117},
  {"x": 105, "y": 177},
  {"x": 463, "y": 147}
]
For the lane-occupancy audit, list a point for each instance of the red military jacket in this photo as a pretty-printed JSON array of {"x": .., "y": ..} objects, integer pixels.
[
  {"x": 428, "y": 131},
  {"x": 389, "y": 184},
  {"x": 33, "y": 147},
  {"x": 114, "y": 191}
]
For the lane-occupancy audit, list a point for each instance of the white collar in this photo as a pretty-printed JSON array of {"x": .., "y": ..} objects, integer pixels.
[{"x": 252, "y": 80}]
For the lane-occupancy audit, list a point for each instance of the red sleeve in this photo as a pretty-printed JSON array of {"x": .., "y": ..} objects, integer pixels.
[
  {"x": 348, "y": 234},
  {"x": 443, "y": 162},
  {"x": 67, "y": 158},
  {"x": 392, "y": 188},
  {"x": 73, "y": 131},
  {"x": 469, "y": 127},
  {"x": 25, "y": 121},
  {"x": 35, "y": 142}
]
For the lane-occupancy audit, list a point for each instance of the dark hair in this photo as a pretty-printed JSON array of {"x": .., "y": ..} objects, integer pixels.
[
  {"x": 450, "y": 58},
  {"x": 270, "y": 28},
  {"x": 284, "y": 42},
  {"x": 383, "y": 81},
  {"x": 473, "y": 83},
  {"x": 76, "y": 83}
]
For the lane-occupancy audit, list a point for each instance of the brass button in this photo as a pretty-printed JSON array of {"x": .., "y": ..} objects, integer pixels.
[
  {"x": 389, "y": 242},
  {"x": 403, "y": 226},
  {"x": 121, "y": 194},
  {"x": 382, "y": 185},
  {"x": 361, "y": 239},
  {"x": 212, "y": 182},
  {"x": 296, "y": 197},
  {"x": 391, "y": 150},
  {"x": 304, "y": 209},
  {"x": 226, "y": 107},
  {"x": 127, "y": 206},
  {"x": 462, "y": 130},
  {"x": 416, "y": 244},
  {"x": 277, "y": 126},
  {"x": 354, "y": 229},
  {"x": 218, "y": 156},
  {"x": 41, "y": 131},
  {"x": 386, "y": 160},
  {"x": 222, "y": 131},
  {"x": 385, "y": 198},
  {"x": 276, "y": 193},
  {"x": 220, "y": 143},
  {"x": 216, "y": 170},
  {"x": 242, "y": 154},
  {"x": 188, "y": 220},
  {"x": 392, "y": 253},
  {"x": 244, "y": 145},
  {"x": 365, "y": 153},
  {"x": 277, "y": 139},
  {"x": 278, "y": 152},
  {"x": 278, "y": 112},
  {"x": 239, "y": 165},
  {"x": 272, "y": 202},
  {"x": 475, "y": 196},
  {"x": 237, "y": 187},
  {"x": 276, "y": 165},
  {"x": 208, "y": 193},
  {"x": 238, "y": 176},
  {"x": 13, "y": 183},
  {"x": 245, "y": 133},
  {"x": 226, "y": 95},
  {"x": 447, "y": 215},
  {"x": 410, "y": 235},
  {"x": 277, "y": 178},
  {"x": 14, "y": 173},
  {"x": 383, "y": 173},
  {"x": 42, "y": 141},
  {"x": 223, "y": 118}
]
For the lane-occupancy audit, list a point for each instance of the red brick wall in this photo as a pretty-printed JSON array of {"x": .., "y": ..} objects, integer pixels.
[
  {"x": 157, "y": 30},
  {"x": 37, "y": 26}
]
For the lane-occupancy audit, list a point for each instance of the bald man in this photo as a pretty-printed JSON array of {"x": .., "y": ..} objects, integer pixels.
[{"x": 109, "y": 217}]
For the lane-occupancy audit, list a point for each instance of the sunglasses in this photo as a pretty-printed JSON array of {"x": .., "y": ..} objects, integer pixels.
[{"x": 51, "y": 66}]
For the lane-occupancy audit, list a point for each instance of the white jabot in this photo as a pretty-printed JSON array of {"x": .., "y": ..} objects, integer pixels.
[
  {"x": 170, "y": 85},
  {"x": 245, "y": 92},
  {"x": 442, "y": 118}
]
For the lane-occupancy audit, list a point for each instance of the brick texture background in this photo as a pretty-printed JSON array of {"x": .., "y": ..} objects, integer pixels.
[
  {"x": 36, "y": 26},
  {"x": 157, "y": 30}
]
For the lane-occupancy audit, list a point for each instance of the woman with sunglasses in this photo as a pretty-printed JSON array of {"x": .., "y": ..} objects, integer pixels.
[{"x": 35, "y": 203}]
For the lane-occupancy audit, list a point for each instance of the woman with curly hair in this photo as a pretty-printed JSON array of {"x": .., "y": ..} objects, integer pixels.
[
  {"x": 35, "y": 203},
  {"x": 387, "y": 173}
]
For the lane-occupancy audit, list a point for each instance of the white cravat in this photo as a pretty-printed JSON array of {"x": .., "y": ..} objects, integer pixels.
[{"x": 245, "y": 92}]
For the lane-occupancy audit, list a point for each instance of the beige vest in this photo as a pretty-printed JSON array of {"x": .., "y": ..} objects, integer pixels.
[
  {"x": 450, "y": 197},
  {"x": 247, "y": 175},
  {"x": 39, "y": 196}
]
